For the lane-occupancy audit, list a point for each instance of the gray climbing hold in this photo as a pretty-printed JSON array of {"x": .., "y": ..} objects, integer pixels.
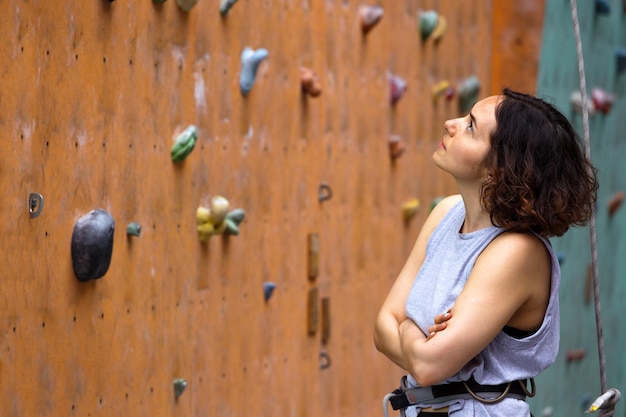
[
  {"x": 250, "y": 60},
  {"x": 179, "y": 386},
  {"x": 226, "y": 5},
  {"x": 92, "y": 245}
]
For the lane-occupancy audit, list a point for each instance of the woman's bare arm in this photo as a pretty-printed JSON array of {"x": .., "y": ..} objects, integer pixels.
[
  {"x": 504, "y": 280},
  {"x": 393, "y": 312}
]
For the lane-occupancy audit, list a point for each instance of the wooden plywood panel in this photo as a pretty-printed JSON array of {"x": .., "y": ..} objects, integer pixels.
[
  {"x": 92, "y": 96},
  {"x": 517, "y": 29}
]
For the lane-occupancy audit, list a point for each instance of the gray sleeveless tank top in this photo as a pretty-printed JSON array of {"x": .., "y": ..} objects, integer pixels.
[{"x": 450, "y": 257}]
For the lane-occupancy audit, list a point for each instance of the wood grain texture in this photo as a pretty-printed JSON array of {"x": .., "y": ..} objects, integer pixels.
[{"x": 92, "y": 95}]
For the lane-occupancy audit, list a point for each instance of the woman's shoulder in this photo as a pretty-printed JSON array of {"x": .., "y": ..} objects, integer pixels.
[{"x": 519, "y": 248}]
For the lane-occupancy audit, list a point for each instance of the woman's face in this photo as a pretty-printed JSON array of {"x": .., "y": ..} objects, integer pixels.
[{"x": 466, "y": 142}]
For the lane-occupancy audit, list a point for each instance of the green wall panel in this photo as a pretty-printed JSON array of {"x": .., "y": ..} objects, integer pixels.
[{"x": 568, "y": 386}]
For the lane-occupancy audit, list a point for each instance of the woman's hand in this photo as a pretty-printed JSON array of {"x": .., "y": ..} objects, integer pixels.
[{"x": 440, "y": 324}]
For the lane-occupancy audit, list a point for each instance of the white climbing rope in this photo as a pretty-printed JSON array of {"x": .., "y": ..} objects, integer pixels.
[{"x": 607, "y": 401}]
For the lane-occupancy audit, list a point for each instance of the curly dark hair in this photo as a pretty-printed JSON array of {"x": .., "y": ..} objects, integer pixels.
[{"x": 539, "y": 177}]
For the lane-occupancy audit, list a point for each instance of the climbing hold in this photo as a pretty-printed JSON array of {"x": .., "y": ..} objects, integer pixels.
[
  {"x": 450, "y": 93},
  {"x": 547, "y": 412},
  {"x": 576, "y": 99},
  {"x": 179, "y": 386},
  {"x": 202, "y": 215},
  {"x": 186, "y": 5},
  {"x": 184, "y": 144},
  {"x": 602, "y": 100},
  {"x": 226, "y": 5},
  {"x": 268, "y": 289},
  {"x": 369, "y": 17},
  {"x": 205, "y": 228},
  {"x": 313, "y": 255},
  {"x": 443, "y": 88},
  {"x": 396, "y": 146},
  {"x": 585, "y": 401},
  {"x": 250, "y": 60},
  {"x": 620, "y": 59},
  {"x": 309, "y": 82},
  {"x": 468, "y": 93},
  {"x": 205, "y": 231},
  {"x": 133, "y": 229},
  {"x": 427, "y": 22},
  {"x": 216, "y": 219},
  {"x": 232, "y": 221},
  {"x": 397, "y": 88},
  {"x": 575, "y": 355},
  {"x": 435, "y": 201},
  {"x": 232, "y": 228},
  {"x": 615, "y": 202},
  {"x": 410, "y": 209},
  {"x": 440, "y": 29},
  {"x": 325, "y": 319},
  {"x": 324, "y": 192},
  {"x": 35, "y": 205},
  {"x": 603, "y": 7},
  {"x": 560, "y": 256},
  {"x": 218, "y": 208},
  {"x": 236, "y": 216},
  {"x": 92, "y": 245},
  {"x": 312, "y": 310},
  {"x": 324, "y": 360}
]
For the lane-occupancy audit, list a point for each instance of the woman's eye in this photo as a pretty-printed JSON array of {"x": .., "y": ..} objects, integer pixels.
[{"x": 470, "y": 126}]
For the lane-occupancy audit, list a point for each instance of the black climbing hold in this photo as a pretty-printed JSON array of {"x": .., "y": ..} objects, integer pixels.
[{"x": 92, "y": 245}]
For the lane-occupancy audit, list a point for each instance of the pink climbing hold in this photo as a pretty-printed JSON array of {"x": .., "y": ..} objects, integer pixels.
[
  {"x": 575, "y": 355},
  {"x": 397, "y": 88},
  {"x": 369, "y": 17},
  {"x": 602, "y": 100}
]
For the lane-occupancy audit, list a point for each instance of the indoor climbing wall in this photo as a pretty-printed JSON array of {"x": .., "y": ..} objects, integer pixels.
[
  {"x": 569, "y": 387},
  {"x": 203, "y": 205}
]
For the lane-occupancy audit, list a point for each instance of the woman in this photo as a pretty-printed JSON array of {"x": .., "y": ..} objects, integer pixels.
[{"x": 476, "y": 301}]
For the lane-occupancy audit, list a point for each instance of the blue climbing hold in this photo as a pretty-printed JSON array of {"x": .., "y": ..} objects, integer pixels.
[
  {"x": 268, "y": 289},
  {"x": 92, "y": 245},
  {"x": 603, "y": 7},
  {"x": 250, "y": 60},
  {"x": 620, "y": 60}
]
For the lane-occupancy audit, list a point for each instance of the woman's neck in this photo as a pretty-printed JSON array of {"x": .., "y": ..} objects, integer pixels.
[{"x": 476, "y": 217}]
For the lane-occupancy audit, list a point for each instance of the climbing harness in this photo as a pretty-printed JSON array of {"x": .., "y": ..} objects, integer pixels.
[
  {"x": 607, "y": 401},
  {"x": 405, "y": 396}
]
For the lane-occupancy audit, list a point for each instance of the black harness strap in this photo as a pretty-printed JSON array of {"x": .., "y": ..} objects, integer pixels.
[{"x": 400, "y": 399}]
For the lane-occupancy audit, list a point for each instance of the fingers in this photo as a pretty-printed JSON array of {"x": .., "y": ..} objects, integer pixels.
[
  {"x": 432, "y": 330},
  {"x": 440, "y": 324},
  {"x": 440, "y": 318}
]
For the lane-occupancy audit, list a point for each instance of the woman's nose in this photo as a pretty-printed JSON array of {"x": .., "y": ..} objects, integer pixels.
[{"x": 449, "y": 126}]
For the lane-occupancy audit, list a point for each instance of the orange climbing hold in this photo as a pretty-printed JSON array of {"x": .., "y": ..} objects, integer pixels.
[
  {"x": 310, "y": 83},
  {"x": 615, "y": 202}
]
